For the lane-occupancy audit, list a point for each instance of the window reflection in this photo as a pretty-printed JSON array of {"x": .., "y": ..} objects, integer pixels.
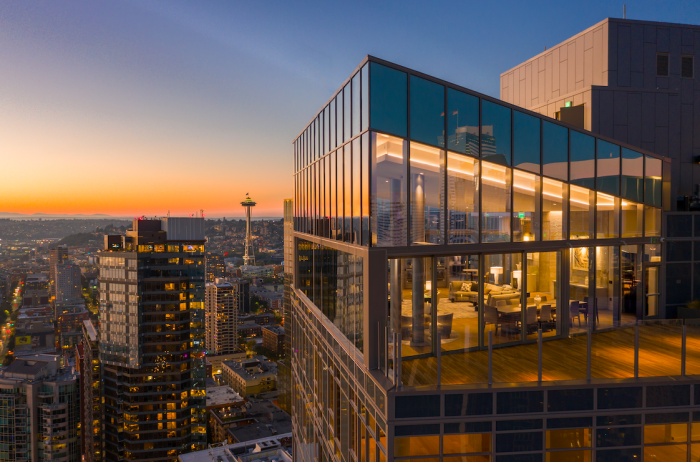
[
  {"x": 608, "y": 168},
  {"x": 652, "y": 221},
  {"x": 631, "y": 271},
  {"x": 652, "y": 182},
  {"x": 632, "y": 219},
  {"x": 555, "y": 151},
  {"x": 427, "y": 112},
  {"x": 579, "y": 268},
  {"x": 632, "y": 175},
  {"x": 581, "y": 206},
  {"x": 388, "y": 99},
  {"x": 553, "y": 221},
  {"x": 427, "y": 194},
  {"x": 495, "y": 202},
  {"x": 458, "y": 302},
  {"x": 526, "y": 206},
  {"x": 582, "y": 167},
  {"x": 607, "y": 214},
  {"x": 495, "y": 133},
  {"x": 462, "y": 122},
  {"x": 607, "y": 283},
  {"x": 463, "y": 199},
  {"x": 526, "y": 142},
  {"x": 543, "y": 286},
  {"x": 388, "y": 191}
]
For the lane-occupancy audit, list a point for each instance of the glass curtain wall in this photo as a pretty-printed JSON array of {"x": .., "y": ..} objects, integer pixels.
[
  {"x": 554, "y": 221},
  {"x": 631, "y": 276},
  {"x": 427, "y": 194},
  {"x": 607, "y": 216},
  {"x": 543, "y": 292},
  {"x": 458, "y": 302},
  {"x": 495, "y": 202},
  {"x": 463, "y": 199},
  {"x": 526, "y": 206},
  {"x": 581, "y": 212},
  {"x": 579, "y": 278},
  {"x": 555, "y": 151},
  {"x": 607, "y": 284},
  {"x": 388, "y": 195},
  {"x": 502, "y": 297}
]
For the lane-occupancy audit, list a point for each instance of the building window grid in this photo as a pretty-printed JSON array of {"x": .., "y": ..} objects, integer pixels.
[{"x": 444, "y": 226}]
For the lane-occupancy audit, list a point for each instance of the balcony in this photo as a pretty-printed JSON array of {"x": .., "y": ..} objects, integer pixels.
[{"x": 661, "y": 348}]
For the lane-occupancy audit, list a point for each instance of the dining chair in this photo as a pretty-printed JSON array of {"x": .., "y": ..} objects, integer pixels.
[
  {"x": 444, "y": 325},
  {"x": 545, "y": 315},
  {"x": 531, "y": 318},
  {"x": 491, "y": 317},
  {"x": 574, "y": 312},
  {"x": 583, "y": 308},
  {"x": 501, "y": 303}
]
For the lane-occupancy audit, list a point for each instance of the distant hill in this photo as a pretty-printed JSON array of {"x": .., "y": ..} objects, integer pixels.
[{"x": 80, "y": 239}]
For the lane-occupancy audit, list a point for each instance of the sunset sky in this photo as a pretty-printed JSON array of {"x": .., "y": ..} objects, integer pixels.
[{"x": 133, "y": 107}]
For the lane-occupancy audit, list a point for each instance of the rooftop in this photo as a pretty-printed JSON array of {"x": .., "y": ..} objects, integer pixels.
[
  {"x": 219, "y": 396},
  {"x": 230, "y": 452}
]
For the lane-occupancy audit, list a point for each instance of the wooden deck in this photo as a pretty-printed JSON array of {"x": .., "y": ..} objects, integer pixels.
[{"x": 612, "y": 356}]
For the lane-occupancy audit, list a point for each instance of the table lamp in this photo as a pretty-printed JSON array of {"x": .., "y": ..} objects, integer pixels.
[
  {"x": 517, "y": 274},
  {"x": 496, "y": 271}
]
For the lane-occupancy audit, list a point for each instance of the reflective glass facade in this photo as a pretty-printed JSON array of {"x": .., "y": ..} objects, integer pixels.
[{"x": 492, "y": 246}]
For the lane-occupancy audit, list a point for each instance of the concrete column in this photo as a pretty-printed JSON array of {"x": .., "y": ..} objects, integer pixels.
[
  {"x": 418, "y": 209},
  {"x": 418, "y": 302}
]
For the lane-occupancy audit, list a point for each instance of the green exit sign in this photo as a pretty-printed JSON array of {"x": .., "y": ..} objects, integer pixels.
[{"x": 568, "y": 104}]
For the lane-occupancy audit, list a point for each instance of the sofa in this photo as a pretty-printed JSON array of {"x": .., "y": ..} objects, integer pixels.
[{"x": 456, "y": 294}]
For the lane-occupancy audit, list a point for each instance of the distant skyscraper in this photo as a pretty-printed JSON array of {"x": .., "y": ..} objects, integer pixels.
[
  {"x": 88, "y": 364},
  {"x": 57, "y": 256},
  {"x": 249, "y": 256},
  {"x": 40, "y": 408},
  {"x": 222, "y": 305},
  {"x": 284, "y": 371},
  {"x": 152, "y": 340},
  {"x": 68, "y": 283},
  {"x": 215, "y": 266}
]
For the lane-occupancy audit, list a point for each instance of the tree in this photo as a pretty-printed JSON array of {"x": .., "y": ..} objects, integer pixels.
[{"x": 250, "y": 345}]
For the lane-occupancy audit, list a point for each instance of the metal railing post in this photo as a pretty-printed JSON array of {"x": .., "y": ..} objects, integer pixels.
[
  {"x": 539, "y": 355},
  {"x": 398, "y": 363},
  {"x": 683, "y": 352},
  {"x": 394, "y": 360},
  {"x": 379, "y": 345},
  {"x": 636, "y": 350},
  {"x": 588, "y": 351},
  {"x": 490, "y": 357},
  {"x": 439, "y": 358}
]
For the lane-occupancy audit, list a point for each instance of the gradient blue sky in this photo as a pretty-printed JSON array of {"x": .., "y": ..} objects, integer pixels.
[{"x": 140, "y": 107}]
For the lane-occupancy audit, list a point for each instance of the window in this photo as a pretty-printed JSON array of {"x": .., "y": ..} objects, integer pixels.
[
  {"x": 463, "y": 198},
  {"x": 582, "y": 166},
  {"x": 388, "y": 190},
  {"x": 582, "y": 207},
  {"x": 495, "y": 133},
  {"x": 555, "y": 151},
  {"x": 687, "y": 67},
  {"x": 388, "y": 100},
  {"x": 526, "y": 206},
  {"x": 427, "y": 112},
  {"x": 662, "y": 65},
  {"x": 632, "y": 175},
  {"x": 495, "y": 202},
  {"x": 553, "y": 220},
  {"x": 608, "y": 168},
  {"x": 462, "y": 122},
  {"x": 526, "y": 142},
  {"x": 653, "y": 181},
  {"x": 427, "y": 194}
]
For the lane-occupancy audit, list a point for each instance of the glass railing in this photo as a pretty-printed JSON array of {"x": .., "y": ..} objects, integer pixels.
[{"x": 655, "y": 348}]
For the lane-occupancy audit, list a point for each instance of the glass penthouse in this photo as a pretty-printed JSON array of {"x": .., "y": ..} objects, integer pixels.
[{"x": 476, "y": 282}]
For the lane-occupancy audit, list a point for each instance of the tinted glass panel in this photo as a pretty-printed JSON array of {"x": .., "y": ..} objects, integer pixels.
[
  {"x": 570, "y": 400},
  {"x": 619, "y": 455},
  {"x": 520, "y": 402},
  {"x": 427, "y": 194},
  {"x": 555, "y": 151},
  {"x": 495, "y": 202},
  {"x": 332, "y": 130},
  {"x": 339, "y": 112},
  {"x": 418, "y": 406},
  {"x": 508, "y": 425},
  {"x": 526, "y": 142},
  {"x": 678, "y": 283},
  {"x": 554, "y": 220},
  {"x": 679, "y": 226},
  {"x": 618, "y": 436},
  {"x": 679, "y": 251},
  {"x": 365, "y": 97},
  {"x": 516, "y": 458},
  {"x": 388, "y": 99},
  {"x": 582, "y": 166},
  {"x": 414, "y": 430},
  {"x": 427, "y": 112},
  {"x": 632, "y": 419},
  {"x": 495, "y": 133},
  {"x": 652, "y": 181},
  {"x": 462, "y": 122},
  {"x": 347, "y": 112},
  {"x": 632, "y": 175},
  {"x": 356, "y": 104},
  {"x": 619, "y": 398},
  {"x": 519, "y": 441},
  {"x": 570, "y": 422},
  {"x": 668, "y": 395},
  {"x": 468, "y": 427},
  {"x": 463, "y": 198},
  {"x": 388, "y": 190},
  {"x": 668, "y": 417},
  {"x": 608, "y": 167},
  {"x": 469, "y": 404}
]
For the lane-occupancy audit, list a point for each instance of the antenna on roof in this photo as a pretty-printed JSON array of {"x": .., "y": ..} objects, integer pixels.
[{"x": 624, "y": 11}]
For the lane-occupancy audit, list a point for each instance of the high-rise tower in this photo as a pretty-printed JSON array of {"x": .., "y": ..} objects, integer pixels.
[{"x": 249, "y": 256}]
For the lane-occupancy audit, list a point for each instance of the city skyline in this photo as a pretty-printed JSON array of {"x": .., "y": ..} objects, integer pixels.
[{"x": 92, "y": 89}]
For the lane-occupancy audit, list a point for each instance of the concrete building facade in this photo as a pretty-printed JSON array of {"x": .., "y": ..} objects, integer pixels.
[
  {"x": 636, "y": 81},
  {"x": 222, "y": 305}
]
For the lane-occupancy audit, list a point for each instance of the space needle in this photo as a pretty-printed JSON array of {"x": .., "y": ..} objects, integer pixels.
[{"x": 249, "y": 256}]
